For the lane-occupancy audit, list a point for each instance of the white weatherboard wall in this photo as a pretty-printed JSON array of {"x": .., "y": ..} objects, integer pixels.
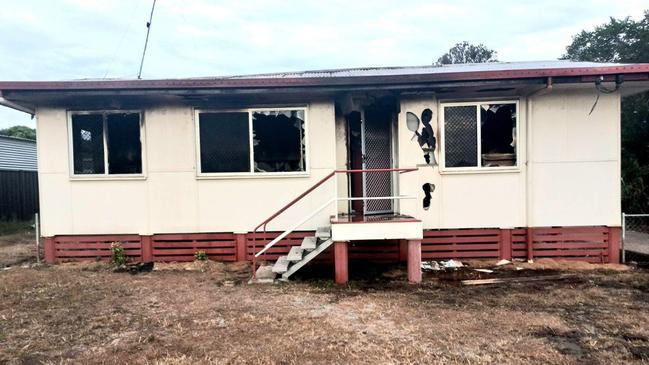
[
  {"x": 172, "y": 198},
  {"x": 573, "y": 177},
  {"x": 575, "y": 159}
]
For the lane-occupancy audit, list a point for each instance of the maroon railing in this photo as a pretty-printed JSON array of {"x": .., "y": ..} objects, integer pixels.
[{"x": 264, "y": 224}]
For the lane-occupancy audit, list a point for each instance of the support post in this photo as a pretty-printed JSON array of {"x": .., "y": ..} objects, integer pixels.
[
  {"x": 146, "y": 243},
  {"x": 49, "y": 250},
  {"x": 414, "y": 261},
  {"x": 506, "y": 244},
  {"x": 614, "y": 234},
  {"x": 240, "y": 246},
  {"x": 341, "y": 262},
  {"x": 403, "y": 250},
  {"x": 530, "y": 244}
]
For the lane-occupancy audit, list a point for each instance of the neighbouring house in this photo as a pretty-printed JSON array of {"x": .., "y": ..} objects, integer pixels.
[
  {"x": 496, "y": 160},
  {"x": 18, "y": 179}
]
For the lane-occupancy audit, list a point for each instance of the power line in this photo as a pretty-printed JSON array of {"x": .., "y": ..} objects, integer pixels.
[{"x": 146, "y": 42}]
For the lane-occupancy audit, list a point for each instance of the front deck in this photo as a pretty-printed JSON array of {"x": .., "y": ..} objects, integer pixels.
[{"x": 347, "y": 228}]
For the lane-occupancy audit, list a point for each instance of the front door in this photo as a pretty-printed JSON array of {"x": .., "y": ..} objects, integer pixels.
[{"x": 376, "y": 140}]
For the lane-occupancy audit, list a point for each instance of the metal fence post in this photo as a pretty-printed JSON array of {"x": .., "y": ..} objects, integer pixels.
[{"x": 37, "y": 229}]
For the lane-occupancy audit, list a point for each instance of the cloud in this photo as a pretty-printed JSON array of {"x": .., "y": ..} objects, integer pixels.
[{"x": 96, "y": 38}]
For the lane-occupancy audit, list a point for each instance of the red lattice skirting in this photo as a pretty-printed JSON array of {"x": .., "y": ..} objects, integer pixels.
[{"x": 592, "y": 244}]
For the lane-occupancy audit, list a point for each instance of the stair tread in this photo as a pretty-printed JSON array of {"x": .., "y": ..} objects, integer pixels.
[
  {"x": 323, "y": 232},
  {"x": 295, "y": 254},
  {"x": 309, "y": 243},
  {"x": 321, "y": 247},
  {"x": 281, "y": 265}
]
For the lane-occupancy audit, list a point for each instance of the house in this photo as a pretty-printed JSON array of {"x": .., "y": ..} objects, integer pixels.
[
  {"x": 18, "y": 179},
  {"x": 496, "y": 160}
]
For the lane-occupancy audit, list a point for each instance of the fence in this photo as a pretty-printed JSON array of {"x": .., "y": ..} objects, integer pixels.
[
  {"x": 635, "y": 237},
  {"x": 18, "y": 195}
]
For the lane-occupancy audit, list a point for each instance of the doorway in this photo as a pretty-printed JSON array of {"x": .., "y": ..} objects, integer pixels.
[{"x": 370, "y": 147}]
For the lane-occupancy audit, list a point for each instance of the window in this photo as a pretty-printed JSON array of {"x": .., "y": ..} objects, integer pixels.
[
  {"x": 106, "y": 143},
  {"x": 479, "y": 135},
  {"x": 252, "y": 141}
]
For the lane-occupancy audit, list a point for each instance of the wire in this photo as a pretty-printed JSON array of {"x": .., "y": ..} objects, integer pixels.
[
  {"x": 121, "y": 40},
  {"x": 619, "y": 79},
  {"x": 146, "y": 41}
]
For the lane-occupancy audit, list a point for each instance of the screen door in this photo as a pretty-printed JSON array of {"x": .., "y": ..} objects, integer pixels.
[{"x": 377, "y": 154}]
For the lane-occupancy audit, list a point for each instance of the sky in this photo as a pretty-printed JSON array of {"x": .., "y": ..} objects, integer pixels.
[{"x": 75, "y": 39}]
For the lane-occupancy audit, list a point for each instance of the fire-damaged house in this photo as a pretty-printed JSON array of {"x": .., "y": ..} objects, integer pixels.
[{"x": 497, "y": 160}]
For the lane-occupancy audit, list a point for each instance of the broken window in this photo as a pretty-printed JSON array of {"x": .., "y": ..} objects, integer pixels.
[
  {"x": 278, "y": 140},
  {"x": 225, "y": 142},
  {"x": 106, "y": 143},
  {"x": 479, "y": 135},
  {"x": 253, "y": 141}
]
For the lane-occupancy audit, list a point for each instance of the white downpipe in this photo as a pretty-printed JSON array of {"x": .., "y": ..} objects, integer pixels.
[{"x": 322, "y": 207}]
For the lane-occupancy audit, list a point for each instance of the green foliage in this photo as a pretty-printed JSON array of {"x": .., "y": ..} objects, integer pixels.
[
  {"x": 465, "y": 52},
  {"x": 118, "y": 257},
  {"x": 200, "y": 255},
  {"x": 624, "y": 40},
  {"x": 19, "y": 131}
]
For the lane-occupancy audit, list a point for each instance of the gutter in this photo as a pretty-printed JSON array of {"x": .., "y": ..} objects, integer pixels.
[{"x": 15, "y": 106}]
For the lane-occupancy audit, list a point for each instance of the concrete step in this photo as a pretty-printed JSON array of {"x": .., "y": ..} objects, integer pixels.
[
  {"x": 295, "y": 254},
  {"x": 323, "y": 233},
  {"x": 309, "y": 243},
  {"x": 308, "y": 257},
  {"x": 281, "y": 265}
]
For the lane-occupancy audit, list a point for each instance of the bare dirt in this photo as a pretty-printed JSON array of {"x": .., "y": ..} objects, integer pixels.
[
  {"x": 206, "y": 313},
  {"x": 17, "y": 248}
]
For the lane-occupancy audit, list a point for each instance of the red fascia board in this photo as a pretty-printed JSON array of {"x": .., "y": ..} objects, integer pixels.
[{"x": 232, "y": 83}]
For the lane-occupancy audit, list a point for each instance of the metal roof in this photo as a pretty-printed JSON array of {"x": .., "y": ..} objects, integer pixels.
[
  {"x": 432, "y": 69},
  {"x": 354, "y": 76},
  {"x": 17, "y": 154}
]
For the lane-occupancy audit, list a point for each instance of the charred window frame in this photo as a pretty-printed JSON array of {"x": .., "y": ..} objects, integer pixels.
[
  {"x": 479, "y": 136},
  {"x": 260, "y": 142},
  {"x": 106, "y": 144}
]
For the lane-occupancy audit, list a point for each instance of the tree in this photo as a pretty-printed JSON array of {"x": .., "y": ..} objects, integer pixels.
[
  {"x": 465, "y": 52},
  {"x": 627, "y": 41},
  {"x": 19, "y": 131}
]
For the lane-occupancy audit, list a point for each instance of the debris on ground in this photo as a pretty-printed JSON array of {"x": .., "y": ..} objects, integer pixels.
[
  {"x": 515, "y": 280},
  {"x": 451, "y": 264},
  {"x": 503, "y": 262},
  {"x": 430, "y": 266},
  {"x": 486, "y": 271}
]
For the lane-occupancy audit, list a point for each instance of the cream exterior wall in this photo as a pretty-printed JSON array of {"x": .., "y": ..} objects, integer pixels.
[
  {"x": 572, "y": 175},
  {"x": 171, "y": 198}
]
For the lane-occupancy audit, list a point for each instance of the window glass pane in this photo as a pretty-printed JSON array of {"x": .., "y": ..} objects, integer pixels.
[
  {"x": 225, "y": 143},
  {"x": 88, "y": 143},
  {"x": 278, "y": 141},
  {"x": 498, "y": 134},
  {"x": 461, "y": 136},
  {"x": 124, "y": 147}
]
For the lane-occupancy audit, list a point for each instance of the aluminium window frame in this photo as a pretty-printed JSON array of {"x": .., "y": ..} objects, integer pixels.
[
  {"x": 478, "y": 169},
  {"x": 251, "y": 174},
  {"x": 106, "y": 175}
]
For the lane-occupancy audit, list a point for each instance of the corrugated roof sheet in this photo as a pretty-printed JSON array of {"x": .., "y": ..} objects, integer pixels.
[
  {"x": 17, "y": 154},
  {"x": 431, "y": 69},
  {"x": 353, "y": 76}
]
